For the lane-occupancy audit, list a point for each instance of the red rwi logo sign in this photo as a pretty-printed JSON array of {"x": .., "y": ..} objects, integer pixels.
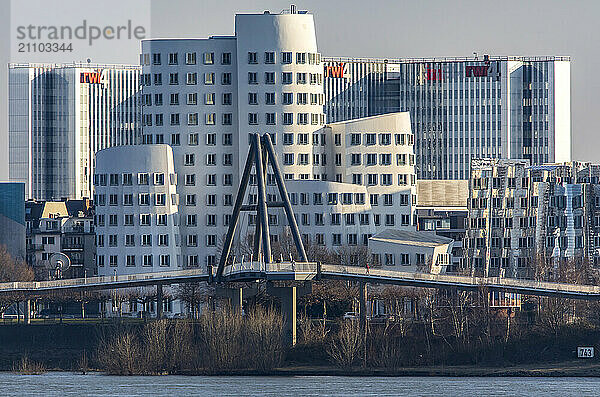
[
  {"x": 476, "y": 71},
  {"x": 91, "y": 77},
  {"x": 335, "y": 71},
  {"x": 434, "y": 74}
]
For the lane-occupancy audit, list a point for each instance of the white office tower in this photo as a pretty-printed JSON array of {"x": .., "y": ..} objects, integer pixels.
[
  {"x": 205, "y": 96},
  {"x": 461, "y": 108},
  {"x": 137, "y": 219},
  {"x": 60, "y": 115}
]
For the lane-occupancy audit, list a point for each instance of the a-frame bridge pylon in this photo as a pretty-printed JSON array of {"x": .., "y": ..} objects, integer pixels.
[{"x": 261, "y": 155}]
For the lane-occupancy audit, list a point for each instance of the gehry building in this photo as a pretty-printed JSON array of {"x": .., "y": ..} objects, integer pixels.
[{"x": 201, "y": 100}]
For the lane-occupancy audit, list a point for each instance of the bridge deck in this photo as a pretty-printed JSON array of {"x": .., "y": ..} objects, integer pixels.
[{"x": 297, "y": 271}]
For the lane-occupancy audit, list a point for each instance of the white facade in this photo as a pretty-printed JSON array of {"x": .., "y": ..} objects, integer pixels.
[
  {"x": 60, "y": 115},
  {"x": 461, "y": 108},
  {"x": 377, "y": 152},
  {"x": 136, "y": 210},
  {"x": 204, "y": 97},
  {"x": 409, "y": 251}
]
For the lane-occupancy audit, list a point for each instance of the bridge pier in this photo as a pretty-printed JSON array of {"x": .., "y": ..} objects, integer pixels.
[
  {"x": 159, "y": 301},
  {"x": 362, "y": 297},
  {"x": 27, "y": 311},
  {"x": 236, "y": 295},
  {"x": 289, "y": 309}
]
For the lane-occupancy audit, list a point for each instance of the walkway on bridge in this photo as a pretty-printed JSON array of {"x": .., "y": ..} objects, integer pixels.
[{"x": 306, "y": 271}]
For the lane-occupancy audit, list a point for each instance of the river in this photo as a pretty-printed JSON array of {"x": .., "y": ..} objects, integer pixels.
[{"x": 69, "y": 384}]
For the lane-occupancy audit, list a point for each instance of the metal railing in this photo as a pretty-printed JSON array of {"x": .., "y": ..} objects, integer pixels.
[
  {"x": 277, "y": 267},
  {"x": 262, "y": 270},
  {"x": 480, "y": 58},
  {"x": 472, "y": 281}
]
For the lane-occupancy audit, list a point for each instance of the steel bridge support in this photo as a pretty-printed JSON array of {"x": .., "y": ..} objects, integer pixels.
[{"x": 261, "y": 155}]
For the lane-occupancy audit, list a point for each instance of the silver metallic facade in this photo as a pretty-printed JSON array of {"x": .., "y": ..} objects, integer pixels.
[
  {"x": 521, "y": 217},
  {"x": 461, "y": 108},
  {"x": 60, "y": 115}
]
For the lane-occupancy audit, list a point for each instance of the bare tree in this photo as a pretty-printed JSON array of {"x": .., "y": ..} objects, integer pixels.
[{"x": 12, "y": 269}]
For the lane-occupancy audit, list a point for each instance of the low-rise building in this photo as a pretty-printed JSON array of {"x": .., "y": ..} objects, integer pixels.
[
  {"x": 442, "y": 208},
  {"x": 61, "y": 227},
  {"x": 410, "y": 251}
]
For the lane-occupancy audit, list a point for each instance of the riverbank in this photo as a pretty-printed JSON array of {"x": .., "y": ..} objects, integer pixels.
[
  {"x": 562, "y": 369},
  {"x": 73, "y": 347},
  {"x": 575, "y": 368}
]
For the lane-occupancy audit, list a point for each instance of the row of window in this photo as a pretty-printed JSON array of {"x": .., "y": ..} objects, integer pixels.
[
  {"x": 129, "y": 220},
  {"x": 286, "y": 58},
  {"x": 287, "y": 118},
  {"x": 524, "y": 242},
  {"x": 509, "y": 202},
  {"x": 143, "y": 199},
  {"x": 130, "y": 260},
  {"x": 227, "y": 119},
  {"x": 384, "y": 159},
  {"x": 559, "y": 221},
  {"x": 405, "y": 259},
  {"x": 127, "y": 178},
  {"x": 211, "y": 139},
  {"x": 384, "y": 139},
  {"x": 302, "y": 98},
  {"x": 209, "y": 78},
  {"x": 145, "y": 240},
  {"x": 208, "y": 58},
  {"x": 191, "y": 98}
]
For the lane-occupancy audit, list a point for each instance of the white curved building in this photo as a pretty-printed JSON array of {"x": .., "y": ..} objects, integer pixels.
[
  {"x": 137, "y": 220},
  {"x": 203, "y": 97}
]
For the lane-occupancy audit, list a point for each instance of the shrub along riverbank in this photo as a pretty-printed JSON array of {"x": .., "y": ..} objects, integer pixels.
[{"x": 226, "y": 343}]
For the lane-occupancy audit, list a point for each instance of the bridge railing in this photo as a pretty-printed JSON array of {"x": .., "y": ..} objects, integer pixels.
[
  {"x": 458, "y": 280},
  {"x": 97, "y": 280},
  {"x": 275, "y": 267}
]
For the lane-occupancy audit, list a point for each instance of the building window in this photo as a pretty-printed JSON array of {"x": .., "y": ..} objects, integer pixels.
[
  {"x": 226, "y": 58},
  {"x": 269, "y": 57},
  {"x": 252, "y": 58},
  {"x": 190, "y": 58},
  {"x": 191, "y": 79},
  {"x": 253, "y": 118},
  {"x": 269, "y": 77}
]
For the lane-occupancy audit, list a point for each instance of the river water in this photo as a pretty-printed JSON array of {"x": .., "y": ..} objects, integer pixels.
[{"x": 69, "y": 384}]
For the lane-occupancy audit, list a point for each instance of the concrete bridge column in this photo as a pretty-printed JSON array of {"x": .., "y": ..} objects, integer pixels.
[
  {"x": 362, "y": 297},
  {"x": 236, "y": 295},
  {"x": 289, "y": 309},
  {"x": 27, "y": 311},
  {"x": 159, "y": 301},
  {"x": 236, "y": 298}
]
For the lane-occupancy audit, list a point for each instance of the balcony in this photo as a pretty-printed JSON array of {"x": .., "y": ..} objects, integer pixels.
[
  {"x": 72, "y": 246},
  {"x": 35, "y": 247}
]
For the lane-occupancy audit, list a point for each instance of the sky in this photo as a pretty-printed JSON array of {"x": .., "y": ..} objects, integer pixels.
[{"x": 358, "y": 28}]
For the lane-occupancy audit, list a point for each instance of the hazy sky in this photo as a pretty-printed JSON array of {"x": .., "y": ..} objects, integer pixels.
[{"x": 397, "y": 29}]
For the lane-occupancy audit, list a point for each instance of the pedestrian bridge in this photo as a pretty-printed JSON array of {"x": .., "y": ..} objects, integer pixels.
[{"x": 306, "y": 271}]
